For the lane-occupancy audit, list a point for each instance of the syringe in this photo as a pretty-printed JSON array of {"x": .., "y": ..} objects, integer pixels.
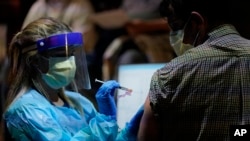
[{"x": 122, "y": 88}]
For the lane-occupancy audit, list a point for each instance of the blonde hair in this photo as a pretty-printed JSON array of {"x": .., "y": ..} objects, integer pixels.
[{"x": 22, "y": 51}]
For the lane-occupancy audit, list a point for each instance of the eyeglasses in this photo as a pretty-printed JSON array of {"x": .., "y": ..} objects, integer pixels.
[{"x": 59, "y": 52}]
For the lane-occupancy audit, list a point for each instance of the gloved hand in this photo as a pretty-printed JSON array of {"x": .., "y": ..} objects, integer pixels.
[
  {"x": 129, "y": 133},
  {"x": 133, "y": 125},
  {"x": 105, "y": 98}
]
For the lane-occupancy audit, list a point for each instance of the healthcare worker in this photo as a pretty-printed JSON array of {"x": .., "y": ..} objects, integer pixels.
[{"x": 47, "y": 68}]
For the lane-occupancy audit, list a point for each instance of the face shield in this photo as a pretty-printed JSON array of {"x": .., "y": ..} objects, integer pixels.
[{"x": 64, "y": 52}]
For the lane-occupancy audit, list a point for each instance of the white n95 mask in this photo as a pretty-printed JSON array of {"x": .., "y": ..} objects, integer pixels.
[
  {"x": 61, "y": 71},
  {"x": 176, "y": 41}
]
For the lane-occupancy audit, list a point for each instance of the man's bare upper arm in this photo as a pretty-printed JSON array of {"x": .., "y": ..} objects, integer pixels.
[{"x": 148, "y": 127}]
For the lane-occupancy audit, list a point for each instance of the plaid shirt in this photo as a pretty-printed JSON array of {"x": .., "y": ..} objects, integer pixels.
[{"x": 198, "y": 95}]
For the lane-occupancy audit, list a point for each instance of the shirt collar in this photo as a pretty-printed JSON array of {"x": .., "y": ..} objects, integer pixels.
[{"x": 222, "y": 30}]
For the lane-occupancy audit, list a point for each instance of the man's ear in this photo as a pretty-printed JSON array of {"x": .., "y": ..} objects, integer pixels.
[
  {"x": 197, "y": 18},
  {"x": 195, "y": 29},
  {"x": 201, "y": 25}
]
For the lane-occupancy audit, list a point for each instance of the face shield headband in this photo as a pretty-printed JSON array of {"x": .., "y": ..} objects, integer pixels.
[
  {"x": 59, "y": 40},
  {"x": 65, "y": 43}
]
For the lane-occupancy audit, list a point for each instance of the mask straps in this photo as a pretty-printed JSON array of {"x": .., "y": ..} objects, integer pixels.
[
  {"x": 188, "y": 20},
  {"x": 196, "y": 37}
]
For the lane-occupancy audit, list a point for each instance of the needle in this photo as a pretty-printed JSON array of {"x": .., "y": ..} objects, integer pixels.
[{"x": 122, "y": 88}]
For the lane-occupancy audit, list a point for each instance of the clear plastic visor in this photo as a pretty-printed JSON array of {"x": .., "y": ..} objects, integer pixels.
[{"x": 67, "y": 45}]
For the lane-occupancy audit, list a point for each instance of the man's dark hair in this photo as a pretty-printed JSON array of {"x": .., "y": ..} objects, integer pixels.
[
  {"x": 216, "y": 11},
  {"x": 213, "y": 10}
]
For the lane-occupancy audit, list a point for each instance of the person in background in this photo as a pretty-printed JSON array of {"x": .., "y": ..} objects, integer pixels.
[
  {"x": 145, "y": 39},
  {"x": 205, "y": 90},
  {"x": 72, "y": 12},
  {"x": 47, "y": 68}
]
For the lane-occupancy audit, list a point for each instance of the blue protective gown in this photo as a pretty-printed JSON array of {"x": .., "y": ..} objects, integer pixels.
[{"x": 32, "y": 117}]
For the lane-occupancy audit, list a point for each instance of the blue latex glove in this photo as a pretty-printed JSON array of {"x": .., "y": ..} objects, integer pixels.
[
  {"x": 129, "y": 133},
  {"x": 105, "y": 98},
  {"x": 133, "y": 125}
]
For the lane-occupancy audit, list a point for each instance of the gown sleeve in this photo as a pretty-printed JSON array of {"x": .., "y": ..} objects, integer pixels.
[
  {"x": 125, "y": 135},
  {"x": 28, "y": 120},
  {"x": 102, "y": 127}
]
